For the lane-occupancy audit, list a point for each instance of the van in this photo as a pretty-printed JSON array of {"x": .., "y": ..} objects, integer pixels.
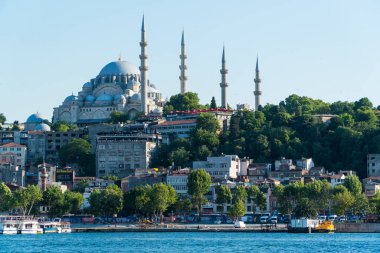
[
  {"x": 273, "y": 220},
  {"x": 332, "y": 217}
]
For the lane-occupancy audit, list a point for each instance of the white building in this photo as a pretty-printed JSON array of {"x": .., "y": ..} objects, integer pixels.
[
  {"x": 227, "y": 166},
  {"x": 304, "y": 163},
  {"x": 12, "y": 153},
  {"x": 178, "y": 180},
  {"x": 373, "y": 165}
]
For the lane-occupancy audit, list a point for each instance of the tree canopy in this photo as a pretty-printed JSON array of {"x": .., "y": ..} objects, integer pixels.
[{"x": 183, "y": 102}]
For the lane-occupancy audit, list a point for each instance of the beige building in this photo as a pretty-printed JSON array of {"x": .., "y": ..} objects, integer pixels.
[{"x": 121, "y": 154}]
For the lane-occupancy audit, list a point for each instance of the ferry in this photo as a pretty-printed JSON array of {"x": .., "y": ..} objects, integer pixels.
[
  {"x": 49, "y": 227},
  {"x": 304, "y": 225},
  {"x": 9, "y": 227},
  {"x": 29, "y": 227},
  {"x": 65, "y": 227}
]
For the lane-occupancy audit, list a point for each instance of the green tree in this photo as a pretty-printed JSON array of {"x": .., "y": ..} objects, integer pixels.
[
  {"x": 26, "y": 198},
  {"x": 78, "y": 151},
  {"x": 73, "y": 201},
  {"x": 184, "y": 205},
  {"x": 96, "y": 203},
  {"x": 112, "y": 200},
  {"x": 343, "y": 201},
  {"x": 257, "y": 196},
  {"x": 207, "y": 121},
  {"x": 198, "y": 184},
  {"x": 64, "y": 127},
  {"x": 180, "y": 157},
  {"x": 240, "y": 194},
  {"x": 161, "y": 197},
  {"x": 353, "y": 184},
  {"x": 6, "y": 200},
  {"x": 213, "y": 103},
  {"x": 183, "y": 102},
  {"x": 224, "y": 195},
  {"x": 54, "y": 199},
  {"x": 237, "y": 210},
  {"x": 2, "y": 118},
  {"x": 375, "y": 203},
  {"x": 118, "y": 117}
]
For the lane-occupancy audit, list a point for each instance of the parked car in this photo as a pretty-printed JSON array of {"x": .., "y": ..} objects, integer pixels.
[
  {"x": 342, "y": 219},
  {"x": 273, "y": 219},
  {"x": 322, "y": 218},
  {"x": 264, "y": 218},
  {"x": 332, "y": 217}
]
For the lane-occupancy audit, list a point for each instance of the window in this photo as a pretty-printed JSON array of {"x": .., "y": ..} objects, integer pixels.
[{"x": 137, "y": 165}]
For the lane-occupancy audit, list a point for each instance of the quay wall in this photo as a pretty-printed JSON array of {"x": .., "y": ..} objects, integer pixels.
[{"x": 357, "y": 227}]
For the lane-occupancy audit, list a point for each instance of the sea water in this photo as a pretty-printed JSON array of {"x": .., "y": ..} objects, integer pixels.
[{"x": 190, "y": 242}]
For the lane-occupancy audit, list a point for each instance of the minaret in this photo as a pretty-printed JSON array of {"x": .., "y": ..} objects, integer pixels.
[
  {"x": 144, "y": 70},
  {"x": 183, "y": 67},
  {"x": 224, "y": 84},
  {"x": 257, "y": 91},
  {"x": 44, "y": 175}
]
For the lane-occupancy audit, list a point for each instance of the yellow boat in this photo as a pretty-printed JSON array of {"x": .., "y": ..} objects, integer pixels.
[{"x": 325, "y": 227}]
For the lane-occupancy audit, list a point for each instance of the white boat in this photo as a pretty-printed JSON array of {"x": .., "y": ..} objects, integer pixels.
[
  {"x": 50, "y": 227},
  {"x": 29, "y": 227},
  {"x": 65, "y": 227},
  {"x": 9, "y": 227}
]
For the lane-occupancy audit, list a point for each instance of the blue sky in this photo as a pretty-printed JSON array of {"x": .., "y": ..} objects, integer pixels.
[{"x": 322, "y": 49}]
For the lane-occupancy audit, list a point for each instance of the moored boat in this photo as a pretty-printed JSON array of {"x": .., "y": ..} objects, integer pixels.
[
  {"x": 50, "y": 227},
  {"x": 9, "y": 227},
  {"x": 29, "y": 227},
  {"x": 325, "y": 227}
]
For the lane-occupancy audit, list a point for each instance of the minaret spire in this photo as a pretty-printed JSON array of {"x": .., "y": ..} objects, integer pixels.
[
  {"x": 183, "y": 66},
  {"x": 144, "y": 69},
  {"x": 257, "y": 91},
  {"x": 224, "y": 84}
]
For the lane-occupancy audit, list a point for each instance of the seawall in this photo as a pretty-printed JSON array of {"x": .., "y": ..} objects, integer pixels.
[{"x": 357, "y": 227}]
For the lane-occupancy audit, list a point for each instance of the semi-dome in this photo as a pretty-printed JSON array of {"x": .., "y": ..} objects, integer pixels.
[
  {"x": 104, "y": 97},
  {"x": 119, "y": 68},
  {"x": 36, "y": 118},
  {"x": 136, "y": 97},
  {"x": 70, "y": 99},
  {"x": 88, "y": 85},
  {"x": 42, "y": 127},
  {"x": 90, "y": 98}
]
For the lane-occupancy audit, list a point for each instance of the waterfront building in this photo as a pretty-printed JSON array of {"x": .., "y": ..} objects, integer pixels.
[
  {"x": 304, "y": 163},
  {"x": 142, "y": 177},
  {"x": 258, "y": 171},
  {"x": 220, "y": 167},
  {"x": 119, "y": 86},
  {"x": 121, "y": 153},
  {"x": 373, "y": 165},
  {"x": 371, "y": 186},
  {"x": 178, "y": 180}
]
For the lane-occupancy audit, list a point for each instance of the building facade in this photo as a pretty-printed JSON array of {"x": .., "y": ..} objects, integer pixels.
[
  {"x": 373, "y": 165},
  {"x": 220, "y": 167},
  {"x": 121, "y": 154}
]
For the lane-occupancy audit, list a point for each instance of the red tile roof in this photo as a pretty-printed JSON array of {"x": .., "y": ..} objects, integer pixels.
[
  {"x": 13, "y": 145},
  {"x": 178, "y": 122}
]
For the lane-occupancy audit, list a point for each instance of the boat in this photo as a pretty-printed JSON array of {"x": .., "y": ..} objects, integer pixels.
[
  {"x": 325, "y": 227},
  {"x": 50, "y": 227},
  {"x": 302, "y": 225},
  {"x": 9, "y": 227},
  {"x": 65, "y": 227},
  {"x": 29, "y": 227}
]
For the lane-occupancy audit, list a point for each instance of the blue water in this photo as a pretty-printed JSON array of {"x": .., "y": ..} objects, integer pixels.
[{"x": 190, "y": 242}]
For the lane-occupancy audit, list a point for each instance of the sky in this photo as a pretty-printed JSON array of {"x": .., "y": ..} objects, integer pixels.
[{"x": 321, "y": 49}]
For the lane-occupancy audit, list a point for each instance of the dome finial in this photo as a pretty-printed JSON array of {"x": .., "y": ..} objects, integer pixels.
[{"x": 120, "y": 57}]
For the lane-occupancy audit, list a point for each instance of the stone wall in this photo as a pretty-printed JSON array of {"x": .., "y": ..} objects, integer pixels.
[{"x": 357, "y": 227}]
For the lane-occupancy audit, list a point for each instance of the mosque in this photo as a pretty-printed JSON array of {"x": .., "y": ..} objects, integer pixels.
[{"x": 119, "y": 86}]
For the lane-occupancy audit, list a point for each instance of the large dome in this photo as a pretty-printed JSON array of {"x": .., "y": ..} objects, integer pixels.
[
  {"x": 119, "y": 67},
  {"x": 36, "y": 118}
]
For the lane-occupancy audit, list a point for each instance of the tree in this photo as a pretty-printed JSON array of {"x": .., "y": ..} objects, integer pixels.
[
  {"x": 26, "y": 198},
  {"x": 343, "y": 202},
  {"x": 73, "y": 201},
  {"x": 198, "y": 184},
  {"x": 183, "y": 102},
  {"x": 54, "y": 199},
  {"x": 118, "y": 117},
  {"x": 237, "y": 210},
  {"x": 224, "y": 195},
  {"x": 240, "y": 194},
  {"x": 257, "y": 196},
  {"x": 95, "y": 201},
  {"x": 375, "y": 203},
  {"x": 64, "y": 127},
  {"x": 353, "y": 184},
  {"x": 2, "y": 118},
  {"x": 107, "y": 202},
  {"x": 213, "y": 103},
  {"x": 183, "y": 205},
  {"x": 180, "y": 157},
  {"x": 207, "y": 121},
  {"x": 5, "y": 197},
  {"x": 78, "y": 151},
  {"x": 161, "y": 197}
]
